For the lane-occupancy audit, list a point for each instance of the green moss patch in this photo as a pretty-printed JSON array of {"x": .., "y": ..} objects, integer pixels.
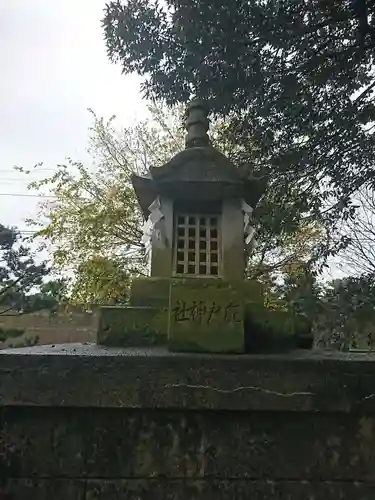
[
  {"x": 150, "y": 292},
  {"x": 205, "y": 316},
  {"x": 132, "y": 326}
]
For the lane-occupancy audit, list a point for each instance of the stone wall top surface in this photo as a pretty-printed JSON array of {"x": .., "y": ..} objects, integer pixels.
[{"x": 87, "y": 375}]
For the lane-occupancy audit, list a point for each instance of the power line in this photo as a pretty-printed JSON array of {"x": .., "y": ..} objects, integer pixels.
[
  {"x": 14, "y": 179},
  {"x": 28, "y": 195},
  {"x": 13, "y": 170}
]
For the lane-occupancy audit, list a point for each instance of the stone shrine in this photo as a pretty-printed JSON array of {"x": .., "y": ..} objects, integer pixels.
[
  {"x": 83, "y": 422},
  {"x": 197, "y": 209}
]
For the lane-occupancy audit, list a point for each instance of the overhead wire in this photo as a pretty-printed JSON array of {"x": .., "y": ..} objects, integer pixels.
[{"x": 26, "y": 195}]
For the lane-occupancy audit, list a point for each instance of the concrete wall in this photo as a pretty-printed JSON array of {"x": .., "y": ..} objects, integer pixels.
[
  {"x": 70, "y": 324},
  {"x": 85, "y": 423}
]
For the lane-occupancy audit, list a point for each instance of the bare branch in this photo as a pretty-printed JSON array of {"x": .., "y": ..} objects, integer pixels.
[{"x": 359, "y": 257}]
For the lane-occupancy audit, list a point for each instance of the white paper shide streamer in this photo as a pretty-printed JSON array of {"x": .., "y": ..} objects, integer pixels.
[
  {"x": 149, "y": 226},
  {"x": 249, "y": 230}
]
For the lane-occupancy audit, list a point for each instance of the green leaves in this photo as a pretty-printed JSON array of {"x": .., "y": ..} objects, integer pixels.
[
  {"x": 291, "y": 78},
  {"x": 101, "y": 281},
  {"x": 20, "y": 274},
  {"x": 93, "y": 225},
  {"x": 347, "y": 313}
]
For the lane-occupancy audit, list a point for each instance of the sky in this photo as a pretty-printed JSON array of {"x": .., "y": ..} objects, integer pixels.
[{"x": 53, "y": 68}]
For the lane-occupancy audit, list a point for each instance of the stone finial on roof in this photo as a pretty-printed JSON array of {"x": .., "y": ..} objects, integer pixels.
[{"x": 197, "y": 124}]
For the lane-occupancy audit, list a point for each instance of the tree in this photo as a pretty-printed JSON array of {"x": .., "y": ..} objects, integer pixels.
[
  {"x": 277, "y": 254},
  {"x": 20, "y": 275},
  {"x": 345, "y": 314},
  {"x": 359, "y": 256},
  {"x": 101, "y": 280},
  {"x": 50, "y": 295},
  {"x": 93, "y": 225},
  {"x": 296, "y": 77}
]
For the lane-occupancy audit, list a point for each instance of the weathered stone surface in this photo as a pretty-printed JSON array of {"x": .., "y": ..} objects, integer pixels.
[
  {"x": 205, "y": 316},
  {"x": 233, "y": 247},
  {"x": 98, "y": 376},
  {"x": 143, "y": 443},
  {"x": 180, "y": 489},
  {"x": 218, "y": 490},
  {"x": 132, "y": 326},
  {"x": 42, "y": 443},
  {"x": 89, "y": 423},
  {"x": 150, "y": 292},
  {"x": 38, "y": 488},
  {"x": 198, "y": 164},
  {"x": 251, "y": 290}
]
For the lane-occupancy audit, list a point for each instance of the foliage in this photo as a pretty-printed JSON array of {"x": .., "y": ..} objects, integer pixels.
[
  {"x": 339, "y": 315},
  {"x": 346, "y": 313},
  {"x": 294, "y": 77},
  {"x": 93, "y": 225},
  {"x": 20, "y": 275},
  {"x": 277, "y": 254},
  {"x": 294, "y": 81},
  {"x": 300, "y": 290},
  {"x": 101, "y": 281},
  {"x": 359, "y": 256},
  {"x": 10, "y": 333},
  {"x": 13, "y": 336},
  {"x": 50, "y": 296}
]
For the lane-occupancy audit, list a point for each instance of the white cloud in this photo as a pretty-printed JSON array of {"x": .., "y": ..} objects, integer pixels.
[{"x": 53, "y": 67}]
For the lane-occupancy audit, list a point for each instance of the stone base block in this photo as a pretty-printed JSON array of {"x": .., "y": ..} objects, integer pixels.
[
  {"x": 205, "y": 316},
  {"x": 124, "y": 326},
  {"x": 150, "y": 292}
]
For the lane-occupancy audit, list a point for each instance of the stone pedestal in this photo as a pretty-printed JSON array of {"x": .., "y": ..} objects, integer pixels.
[
  {"x": 83, "y": 422},
  {"x": 143, "y": 322},
  {"x": 199, "y": 315},
  {"x": 197, "y": 209},
  {"x": 205, "y": 316}
]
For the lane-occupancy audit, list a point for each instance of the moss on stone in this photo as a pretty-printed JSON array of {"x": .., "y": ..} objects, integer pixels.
[
  {"x": 10, "y": 333},
  {"x": 251, "y": 290},
  {"x": 274, "y": 329},
  {"x": 150, "y": 292},
  {"x": 153, "y": 303},
  {"x": 205, "y": 315},
  {"x": 132, "y": 326}
]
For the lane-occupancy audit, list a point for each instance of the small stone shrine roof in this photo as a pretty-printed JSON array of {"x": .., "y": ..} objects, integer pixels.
[{"x": 199, "y": 172}]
